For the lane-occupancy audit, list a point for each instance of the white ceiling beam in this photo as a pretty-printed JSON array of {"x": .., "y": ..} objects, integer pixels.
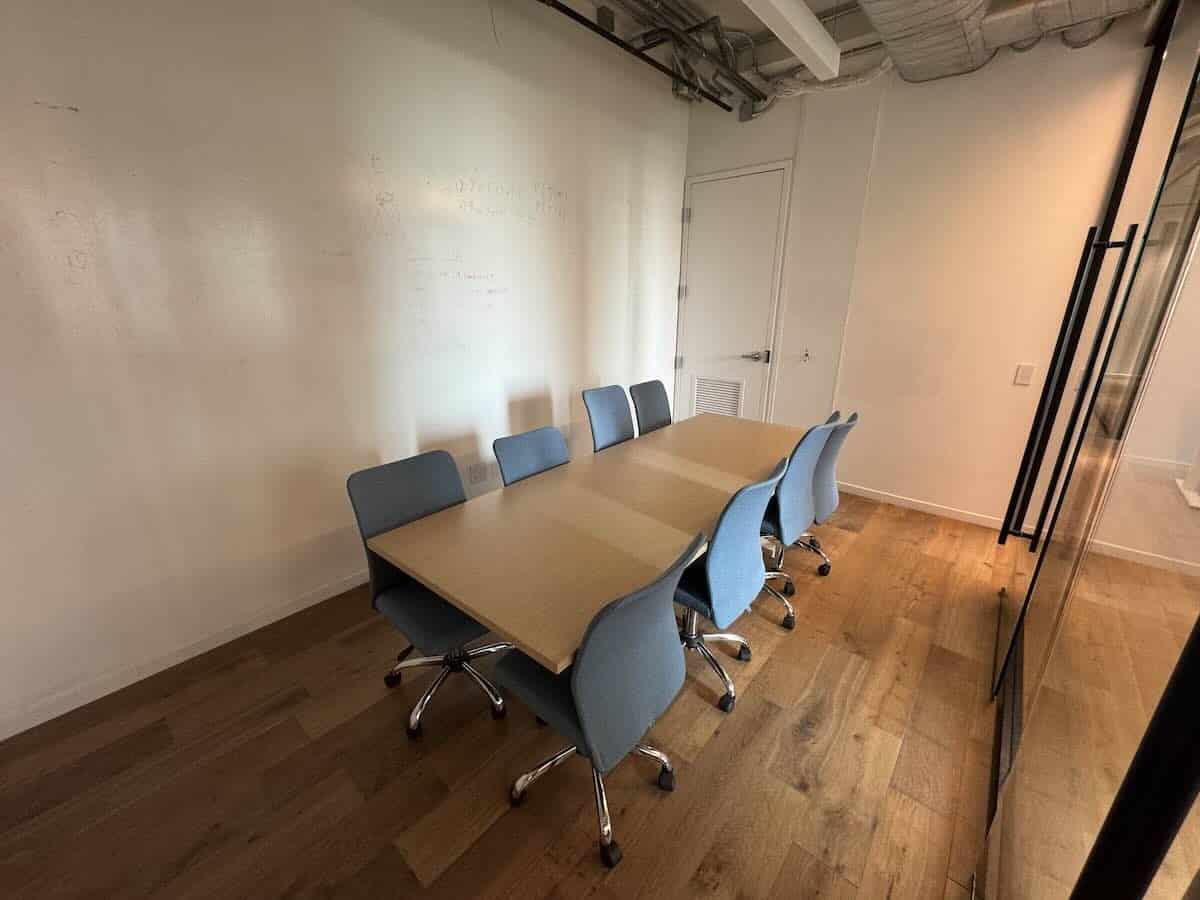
[{"x": 801, "y": 32}]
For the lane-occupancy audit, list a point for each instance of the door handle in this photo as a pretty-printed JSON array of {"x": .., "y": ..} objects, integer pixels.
[{"x": 763, "y": 356}]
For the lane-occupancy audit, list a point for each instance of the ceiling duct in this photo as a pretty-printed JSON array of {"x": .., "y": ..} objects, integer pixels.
[
  {"x": 1015, "y": 21},
  {"x": 930, "y": 38}
]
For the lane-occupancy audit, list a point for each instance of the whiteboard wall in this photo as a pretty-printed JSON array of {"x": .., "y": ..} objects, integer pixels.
[{"x": 248, "y": 248}]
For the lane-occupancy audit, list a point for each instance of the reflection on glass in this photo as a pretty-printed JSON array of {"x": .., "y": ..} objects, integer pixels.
[
  {"x": 1181, "y": 868},
  {"x": 1117, "y": 640},
  {"x": 1120, "y": 639},
  {"x": 1135, "y": 336}
]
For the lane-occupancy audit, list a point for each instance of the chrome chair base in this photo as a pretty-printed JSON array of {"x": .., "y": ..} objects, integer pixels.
[
  {"x": 693, "y": 639},
  {"x": 610, "y": 850},
  {"x": 789, "y": 588},
  {"x": 458, "y": 660},
  {"x": 810, "y": 543}
]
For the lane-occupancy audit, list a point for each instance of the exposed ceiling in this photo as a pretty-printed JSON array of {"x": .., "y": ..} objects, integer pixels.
[
  {"x": 723, "y": 49},
  {"x": 735, "y": 15}
]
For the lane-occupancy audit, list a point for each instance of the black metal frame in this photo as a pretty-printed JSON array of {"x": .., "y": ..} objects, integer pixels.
[
  {"x": 1087, "y": 276},
  {"x": 1156, "y": 794},
  {"x": 1070, "y": 333},
  {"x": 1089, "y": 370},
  {"x": 1051, "y": 397},
  {"x": 634, "y": 51}
]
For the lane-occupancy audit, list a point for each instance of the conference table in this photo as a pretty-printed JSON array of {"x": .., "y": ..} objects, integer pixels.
[{"x": 538, "y": 559}]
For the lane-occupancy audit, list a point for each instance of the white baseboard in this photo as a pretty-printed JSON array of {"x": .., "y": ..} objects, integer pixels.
[
  {"x": 1174, "y": 466},
  {"x": 46, "y": 708},
  {"x": 949, "y": 512},
  {"x": 1158, "y": 561}
]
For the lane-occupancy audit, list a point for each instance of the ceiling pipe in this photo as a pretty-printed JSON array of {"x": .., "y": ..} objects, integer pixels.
[
  {"x": 634, "y": 51},
  {"x": 686, "y": 42}
]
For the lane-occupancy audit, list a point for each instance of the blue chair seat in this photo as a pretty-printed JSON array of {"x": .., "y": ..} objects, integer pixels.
[
  {"x": 693, "y": 590},
  {"x": 547, "y": 694},
  {"x": 431, "y": 624}
]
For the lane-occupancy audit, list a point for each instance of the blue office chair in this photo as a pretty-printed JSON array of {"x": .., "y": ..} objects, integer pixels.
[
  {"x": 386, "y": 497},
  {"x": 627, "y": 671},
  {"x": 530, "y": 453},
  {"x": 792, "y": 510},
  {"x": 608, "y": 411},
  {"x": 651, "y": 405},
  {"x": 825, "y": 488},
  {"x": 834, "y": 417},
  {"x": 723, "y": 582}
]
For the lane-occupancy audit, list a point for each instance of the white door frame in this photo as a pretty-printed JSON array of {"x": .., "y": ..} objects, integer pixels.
[{"x": 785, "y": 166}]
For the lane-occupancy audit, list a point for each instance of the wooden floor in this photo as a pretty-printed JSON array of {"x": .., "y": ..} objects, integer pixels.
[
  {"x": 1121, "y": 638},
  {"x": 855, "y": 763}
]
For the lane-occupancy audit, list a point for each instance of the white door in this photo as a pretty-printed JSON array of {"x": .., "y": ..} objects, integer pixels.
[{"x": 729, "y": 284}]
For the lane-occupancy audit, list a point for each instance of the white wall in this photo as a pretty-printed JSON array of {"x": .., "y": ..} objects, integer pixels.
[
  {"x": 1167, "y": 425},
  {"x": 941, "y": 224},
  {"x": 248, "y": 248},
  {"x": 830, "y": 138},
  {"x": 981, "y": 189}
]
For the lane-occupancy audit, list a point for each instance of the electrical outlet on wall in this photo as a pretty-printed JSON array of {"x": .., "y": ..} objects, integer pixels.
[
  {"x": 477, "y": 473},
  {"x": 1024, "y": 374}
]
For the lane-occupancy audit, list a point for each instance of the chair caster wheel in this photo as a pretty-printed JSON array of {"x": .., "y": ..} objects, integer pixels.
[
  {"x": 789, "y": 621},
  {"x": 610, "y": 854},
  {"x": 725, "y": 704},
  {"x": 391, "y": 679},
  {"x": 824, "y": 569},
  {"x": 541, "y": 722},
  {"x": 744, "y": 653},
  {"x": 414, "y": 733},
  {"x": 788, "y": 589},
  {"x": 499, "y": 712},
  {"x": 666, "y": 779},
  {"x": 515, "y": 799}
]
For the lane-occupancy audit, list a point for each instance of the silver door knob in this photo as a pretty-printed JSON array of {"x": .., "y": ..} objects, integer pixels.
[{"x": 756, "y": 355}]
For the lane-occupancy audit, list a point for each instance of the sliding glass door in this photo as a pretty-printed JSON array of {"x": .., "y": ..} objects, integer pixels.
[{"x": 1126, "y": 279}]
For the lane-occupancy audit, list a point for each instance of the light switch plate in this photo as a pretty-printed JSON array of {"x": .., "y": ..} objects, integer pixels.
[{"x": 1024, "y": 374}]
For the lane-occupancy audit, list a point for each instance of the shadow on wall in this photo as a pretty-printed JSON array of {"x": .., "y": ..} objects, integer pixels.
[{"x": 529, "y": 411}]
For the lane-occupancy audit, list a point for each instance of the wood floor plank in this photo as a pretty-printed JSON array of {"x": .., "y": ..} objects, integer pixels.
[
  {"x": 91, "y": 811},
  {"x": 929, "y": 773},
  {"x": 137, "y": 848},
  {"x": 441, "y": 836},
  {"x": 804, "y": 877},
  {"x": 896, "y": 671},
  {"x": 751, "y": 845},
  {"x": 911, "y": 850},
  {"x": 280, "y": 839},
  {"x": 340, "y": 850},
  {"x": 31, "y": 798}
]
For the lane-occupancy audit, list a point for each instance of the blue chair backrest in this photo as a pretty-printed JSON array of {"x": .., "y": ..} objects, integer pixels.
[
  {"x": 797, "y": 510},
  {"x": 833, "y": 417},
  {"x": 629, "y": 666},
  {"x": 522, "y": 455},
  {"x": 825, "y": 488},
  {"x": 651, "y": 404},
  {"x": 394, "y": 494},
  {"x": 608, "y": 411},
  {"x": 734, "y": 563}
]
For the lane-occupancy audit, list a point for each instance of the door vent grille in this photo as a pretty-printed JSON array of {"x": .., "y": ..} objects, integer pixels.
[{"x": 718, "y": 395}]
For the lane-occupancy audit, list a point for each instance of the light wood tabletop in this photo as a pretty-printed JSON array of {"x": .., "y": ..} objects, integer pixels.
[{"x": 537, "y": 560}]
